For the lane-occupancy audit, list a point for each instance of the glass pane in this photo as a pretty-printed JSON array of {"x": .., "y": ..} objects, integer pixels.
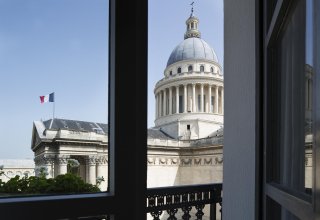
[
  {"x": 185, "y": 96},
  {"x": 292, "y": 73},
  {"x": 54, "y": 77},
  {"x": 309, "y": 74}
]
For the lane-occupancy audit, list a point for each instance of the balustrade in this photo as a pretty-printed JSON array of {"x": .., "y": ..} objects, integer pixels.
[{"x": 171, "y": 199}]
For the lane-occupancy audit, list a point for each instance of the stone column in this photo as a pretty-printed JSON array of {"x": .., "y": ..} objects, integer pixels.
[
  {"x": 91, "y": 164},
  {"x": 61, "y": 166},
  {"x": 185, "y": 99},
  {"x": 216, "y": 100},
  {"x": 156, "y": 97},
  {"x": 222, "y": 100},
  {"x": 210, "y": 103},
  {"x": 164, "y": 102},
  {"x": 201, "y": 99},
  {"x": 160, "y": 104},
  {"x": 177, "y": 99},
  {"x": 170, "y": 101},
  {"x": 102, "y": 171},
  {"x": 48, "y": 162},
  {"x": 193, "y": 97}
]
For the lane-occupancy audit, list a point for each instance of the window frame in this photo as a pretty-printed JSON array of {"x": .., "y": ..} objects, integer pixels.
[
  {"x": 126, "y": 164},
  {"x": 299, "y": 205}
]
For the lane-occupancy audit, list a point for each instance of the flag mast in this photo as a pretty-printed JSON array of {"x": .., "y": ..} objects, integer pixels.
[{"x": 52, "y": 99}]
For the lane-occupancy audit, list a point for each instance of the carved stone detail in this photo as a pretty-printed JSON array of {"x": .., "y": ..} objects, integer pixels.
[
  {"x": 207, "y": 161},
  {"x": 102, "y": 160},
  {"x": 46, "y": 159},
  {"x": 218, "y": 160},
  {"x": 151, "y": 160},
  {"x": 186, "y": 161},
  {"x": 62, "y": 159},
  {"x": 91, "y": 160},
  {"x": 197, "y": 161},
  {"x": 163, "y": 161}
]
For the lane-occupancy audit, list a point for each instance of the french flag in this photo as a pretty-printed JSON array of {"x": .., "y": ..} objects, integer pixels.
[{"x": 47, "y": 98}]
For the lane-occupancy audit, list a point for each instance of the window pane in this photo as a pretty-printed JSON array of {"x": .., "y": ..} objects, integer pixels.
[
  {"x": 185, "y": 141},
  {"x": 292, "y": 73},
  {"x": 54, "y": 77}
]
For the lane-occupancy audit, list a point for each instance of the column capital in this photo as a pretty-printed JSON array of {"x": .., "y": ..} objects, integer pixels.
[
  {"x": 62, "y": 159},
  {"x": 102, "y": 160},
  {"x": 91, "y": 160},
  {"x": 48, "y": 159}
]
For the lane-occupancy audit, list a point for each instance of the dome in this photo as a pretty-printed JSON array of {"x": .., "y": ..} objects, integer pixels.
[{"x": 192, "y": 48}]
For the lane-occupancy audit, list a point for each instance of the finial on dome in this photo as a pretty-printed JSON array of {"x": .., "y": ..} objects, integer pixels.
[
  {"x": 192, "y": 26},
  {"x": 191, "y": 9}
]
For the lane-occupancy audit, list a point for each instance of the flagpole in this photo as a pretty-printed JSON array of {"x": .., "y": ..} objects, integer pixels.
[{"x": 53, "y": 110}]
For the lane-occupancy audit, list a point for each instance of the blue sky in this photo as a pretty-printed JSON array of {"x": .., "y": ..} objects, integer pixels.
[{"x": 61, "y": 46}]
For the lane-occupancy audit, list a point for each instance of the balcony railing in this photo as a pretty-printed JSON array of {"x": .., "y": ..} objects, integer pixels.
[{"x": 171, "y": 199}]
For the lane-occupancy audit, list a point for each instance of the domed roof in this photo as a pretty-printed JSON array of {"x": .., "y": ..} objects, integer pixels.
[{"x": 192, "y": 48}]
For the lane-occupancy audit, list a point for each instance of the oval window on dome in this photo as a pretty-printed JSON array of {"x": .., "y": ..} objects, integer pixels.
[
  {"x": 179, "y": 70},
  {"x": 190, "y": 68},
  {"x": 211, "y": 69},
  {"x": 202, "y": 68}
]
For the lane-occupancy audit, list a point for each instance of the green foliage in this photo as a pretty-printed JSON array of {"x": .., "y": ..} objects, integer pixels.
[{"x": 67, "y": 183}]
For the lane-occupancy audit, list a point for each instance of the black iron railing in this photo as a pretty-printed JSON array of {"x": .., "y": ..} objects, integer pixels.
[{"x": 173, "y": 198}]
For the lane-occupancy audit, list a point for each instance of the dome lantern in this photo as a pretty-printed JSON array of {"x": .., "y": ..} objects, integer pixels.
[{"x": 192, "y": 26}]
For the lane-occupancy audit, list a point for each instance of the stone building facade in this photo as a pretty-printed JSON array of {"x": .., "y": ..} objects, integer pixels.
[{"x": 184, "y": 147}]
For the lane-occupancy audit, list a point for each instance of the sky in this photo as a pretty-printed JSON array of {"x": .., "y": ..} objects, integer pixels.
[{"x": 61, "y": 46}]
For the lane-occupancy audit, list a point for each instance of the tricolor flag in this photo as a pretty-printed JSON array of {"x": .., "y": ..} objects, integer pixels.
[{"x": 47, "y": 98}]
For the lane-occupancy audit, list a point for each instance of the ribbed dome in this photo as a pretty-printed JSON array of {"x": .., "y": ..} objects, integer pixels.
[{"x": 192, "y": 48}]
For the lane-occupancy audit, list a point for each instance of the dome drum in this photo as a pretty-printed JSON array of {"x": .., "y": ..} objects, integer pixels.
[{"x": 198, "y": 66}]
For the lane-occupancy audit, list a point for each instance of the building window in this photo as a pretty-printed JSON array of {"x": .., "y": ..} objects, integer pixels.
[
  {"x": 170, "y": 73},
  {"x": 202, "y": 68},
  {"x": 212, "y": 104},
  {"x": 180, "y": 104},
  {"x": 190, "y": 68},
  {"x": 211, "y": 70},
  {"x": 179, "y": 70},
  {"x": 188, "y": 127}
]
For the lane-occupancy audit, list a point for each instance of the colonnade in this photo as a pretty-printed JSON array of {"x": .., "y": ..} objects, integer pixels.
[
  {"x": 195, "y": 97},
  {"x": 95, "y": 166}
]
